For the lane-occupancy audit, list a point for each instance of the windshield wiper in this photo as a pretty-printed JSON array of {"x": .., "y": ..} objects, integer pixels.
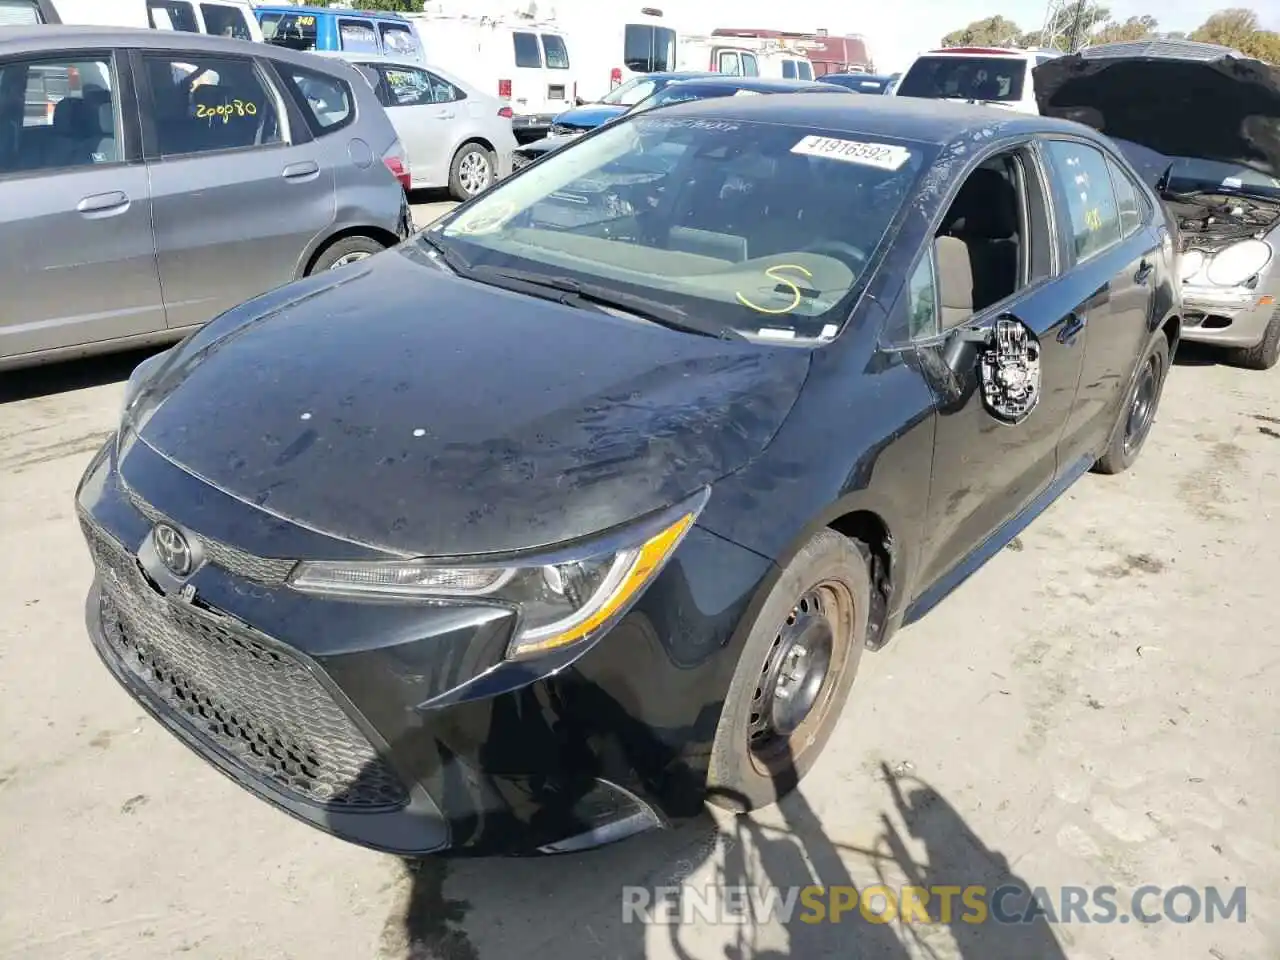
[
  {"x": 570, "y": 292},
  {"x": 452, "y": 260}
]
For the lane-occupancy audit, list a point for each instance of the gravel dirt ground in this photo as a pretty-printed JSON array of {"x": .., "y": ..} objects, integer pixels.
[{"x": 1096, "y": 706}]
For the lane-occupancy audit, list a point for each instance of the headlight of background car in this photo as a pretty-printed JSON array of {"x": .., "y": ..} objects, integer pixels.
[
  {"x": 1230, "y": 266},
  {"x": 561, "y": 598}
]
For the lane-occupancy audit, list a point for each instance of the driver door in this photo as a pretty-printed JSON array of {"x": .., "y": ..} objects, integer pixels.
[{"x": 995, "y": 460}]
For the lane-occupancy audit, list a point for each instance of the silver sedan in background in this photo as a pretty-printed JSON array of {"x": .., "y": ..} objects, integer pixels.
[{"x": 456, "y": 136}]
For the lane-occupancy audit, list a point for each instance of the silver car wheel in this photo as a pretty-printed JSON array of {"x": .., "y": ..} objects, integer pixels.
[
  {"x": 350, "y": 258},
  {"x": 474, "y": 172}
]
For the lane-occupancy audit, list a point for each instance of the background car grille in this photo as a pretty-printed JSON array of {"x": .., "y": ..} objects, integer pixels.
[{"x": 256, "y": 702}]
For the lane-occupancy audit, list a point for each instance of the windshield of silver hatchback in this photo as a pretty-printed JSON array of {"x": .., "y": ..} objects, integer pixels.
[{"x": 760, "y": 229}]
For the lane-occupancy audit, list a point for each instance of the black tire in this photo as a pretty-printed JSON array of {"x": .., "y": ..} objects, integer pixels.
[
  {"x": 461, "y": 183},
  {"x": 345, "y": 250},
  {"x": 1132, "y": 427},
  {"x": 1264, "y": 354},
  {"x": 746, "y": 772}
]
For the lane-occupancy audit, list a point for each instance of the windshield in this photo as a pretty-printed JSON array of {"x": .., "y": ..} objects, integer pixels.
[
  {"x": 1190, "y": 174},
  {"x": 968, "y": 78},
  {"x": 632, "y": 92},
  {"x": 765, "y": 229}
]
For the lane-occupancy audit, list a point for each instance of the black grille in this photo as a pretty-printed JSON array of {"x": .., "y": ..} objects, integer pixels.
[
  {"x": 263, "y": 570},
  {"x": 256, "y": 702}
]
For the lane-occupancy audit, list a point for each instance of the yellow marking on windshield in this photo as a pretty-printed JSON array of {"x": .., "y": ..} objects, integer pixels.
[
  {"x": 772, "y": 274},
  {"x": 1093, "y": 219}
]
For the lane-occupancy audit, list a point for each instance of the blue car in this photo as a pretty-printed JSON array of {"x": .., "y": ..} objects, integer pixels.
[
  {"x": 621, "y": 99},
  {"x": 333, "y": 28}
]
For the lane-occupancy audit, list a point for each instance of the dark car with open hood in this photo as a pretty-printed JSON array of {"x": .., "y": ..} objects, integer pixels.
[
  {"x": 536, "y": 531},
  {"x": 1202, "y": 123}
]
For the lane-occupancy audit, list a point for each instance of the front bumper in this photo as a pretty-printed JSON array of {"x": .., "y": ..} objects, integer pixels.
[
  {"x": 1229, "y": 318},
  {"x": 398, "y": 726}
]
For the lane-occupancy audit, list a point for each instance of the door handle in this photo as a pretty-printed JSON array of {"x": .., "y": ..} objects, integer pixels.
[
  {"x": 104, "y": 204},
  {"x": 1071, "y": 329},
  {"x": 1145, "y": 269},
  {"x": 302, "y": 170}
]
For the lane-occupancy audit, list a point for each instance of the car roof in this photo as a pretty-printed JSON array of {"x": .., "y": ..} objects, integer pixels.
[
  {"x": 907, "y": 118},
  {"x": 677, "y": 75},
  {"x": 761, "y": 84},
  {"x": 961, "y": 52},
  {"x": 36, "y": 39},
  {"x": 337, "y": 11}
]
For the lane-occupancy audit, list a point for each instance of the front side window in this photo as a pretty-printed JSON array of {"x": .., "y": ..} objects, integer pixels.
[
  {"x": 765, "y": 228},
  {"x": 223, "y": 21},
  {"x": 357, "y": 36},
  {"x": 805, "y": 69},
  {"x": 730, "y": 63},
  {"x": 172, "y": 15},
  {"x": 416, "y": 88},
  {"x": 1082, "y": 174},
  {"x": 297, "y": 31},
  {"x": 557, "y": 52},
  {"x": 648, "y": 49},
  {"x": 965, "y": 78},
  {"x": 327, "y": 102},
  {"x": 788, "y": 70},
  {"x": 58, "y": 112},
  {"x": 750, "y": 68},
  {"x": 922, "y": 299},
  {"x": 202, "y": 104},
  {"x": 400, "y": 39},
  {"x": 528, "y": 53}
]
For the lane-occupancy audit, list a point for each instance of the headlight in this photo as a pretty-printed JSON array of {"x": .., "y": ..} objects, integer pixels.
[
  {"x": 1237, "y": 263},
  {"x": 1190, "y": 263},
  {"x": 561, "y": 598}
]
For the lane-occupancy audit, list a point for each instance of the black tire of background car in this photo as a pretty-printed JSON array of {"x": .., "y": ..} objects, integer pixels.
[
  {"x": 1118, "y": 458},
  {"x": 735, "y": 780},
  {"x": 456, "y": 189},
  {"x": 344, "y": 248},
  {"x": 1264, "y": 354}
]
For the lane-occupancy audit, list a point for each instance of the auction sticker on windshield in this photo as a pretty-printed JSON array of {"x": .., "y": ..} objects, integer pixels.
[{"x": 886, "y": 156}]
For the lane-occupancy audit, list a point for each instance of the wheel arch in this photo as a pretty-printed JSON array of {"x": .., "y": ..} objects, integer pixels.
[{"x": 380, "y": 234}]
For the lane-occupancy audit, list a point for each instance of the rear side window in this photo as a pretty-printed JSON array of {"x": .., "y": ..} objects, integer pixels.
[
  {"x": 1130, "y": 207},
  {"x": 202, "y": 104},
  {"x": 528, "y": 53},
  {"x": 69, "y": 112},
  {"x": 730, "y": 64},
  {"x": 409, "y": 87},
  {"x": 297, "y": 31},
  {"x": 19, "y": 13},
  {"x": 400, "y": 39},
  {"x": 648, "y": 49},
  {"x": 749, "y": 66},
  {"x": 557, "y": 52},
  {"x": 223, "y": 21},
  {"x": 788, "y": 70},
  {"x": 327, "y": 102},
  {"x": 172, "y": 15},
  {"x": 805, "y": 69},
  {"x": 965, "y": 78},
  {"x": 357, "y": 36},
  {"x": 1091, "y": 204}
]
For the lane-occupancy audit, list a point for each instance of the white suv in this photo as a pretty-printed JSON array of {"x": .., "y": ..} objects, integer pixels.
[{"x": 992, "y": 75}]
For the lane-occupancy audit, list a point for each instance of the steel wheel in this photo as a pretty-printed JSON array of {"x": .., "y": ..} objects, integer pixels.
[
  {"x": 797, "y": 679},
  {"x": 1142, "y": 409}
]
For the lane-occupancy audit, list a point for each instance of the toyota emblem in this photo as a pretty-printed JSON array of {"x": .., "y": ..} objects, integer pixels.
[{"x": 173, "y": 549}]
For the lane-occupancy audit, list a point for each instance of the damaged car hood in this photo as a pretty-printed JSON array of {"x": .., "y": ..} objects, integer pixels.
[
  {"x": 413, "y": 411},
  {"x": 1178, "y": 99}
]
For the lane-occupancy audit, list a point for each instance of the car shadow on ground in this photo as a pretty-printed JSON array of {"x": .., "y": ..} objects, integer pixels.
[
  {"x": 50, "y": 379},
  {"x": 1200, "y": 355},
  {"x": 575, "y": 906}
]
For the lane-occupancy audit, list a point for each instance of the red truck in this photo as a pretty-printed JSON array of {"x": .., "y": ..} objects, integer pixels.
[{"x": 828, "y": 54}]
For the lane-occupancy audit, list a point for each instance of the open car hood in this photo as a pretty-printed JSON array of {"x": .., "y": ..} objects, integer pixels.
[{"x": 1178, "y": 99}]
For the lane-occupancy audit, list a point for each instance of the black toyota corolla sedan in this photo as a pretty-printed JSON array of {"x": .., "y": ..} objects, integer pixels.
[{"x": 579, "y": 507}]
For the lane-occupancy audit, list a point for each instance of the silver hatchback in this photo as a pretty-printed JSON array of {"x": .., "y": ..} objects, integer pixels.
[{"x": 151, "y": 180}]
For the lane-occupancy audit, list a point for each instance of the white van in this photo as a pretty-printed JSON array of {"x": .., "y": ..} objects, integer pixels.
[
  {"x": 716, "y": 55},
  {"x": 614, "y": 46},
  {"x": 785, "y": 64},
  {"x": 525, "y": 63},
  {"x": 226, "y": 18}
]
